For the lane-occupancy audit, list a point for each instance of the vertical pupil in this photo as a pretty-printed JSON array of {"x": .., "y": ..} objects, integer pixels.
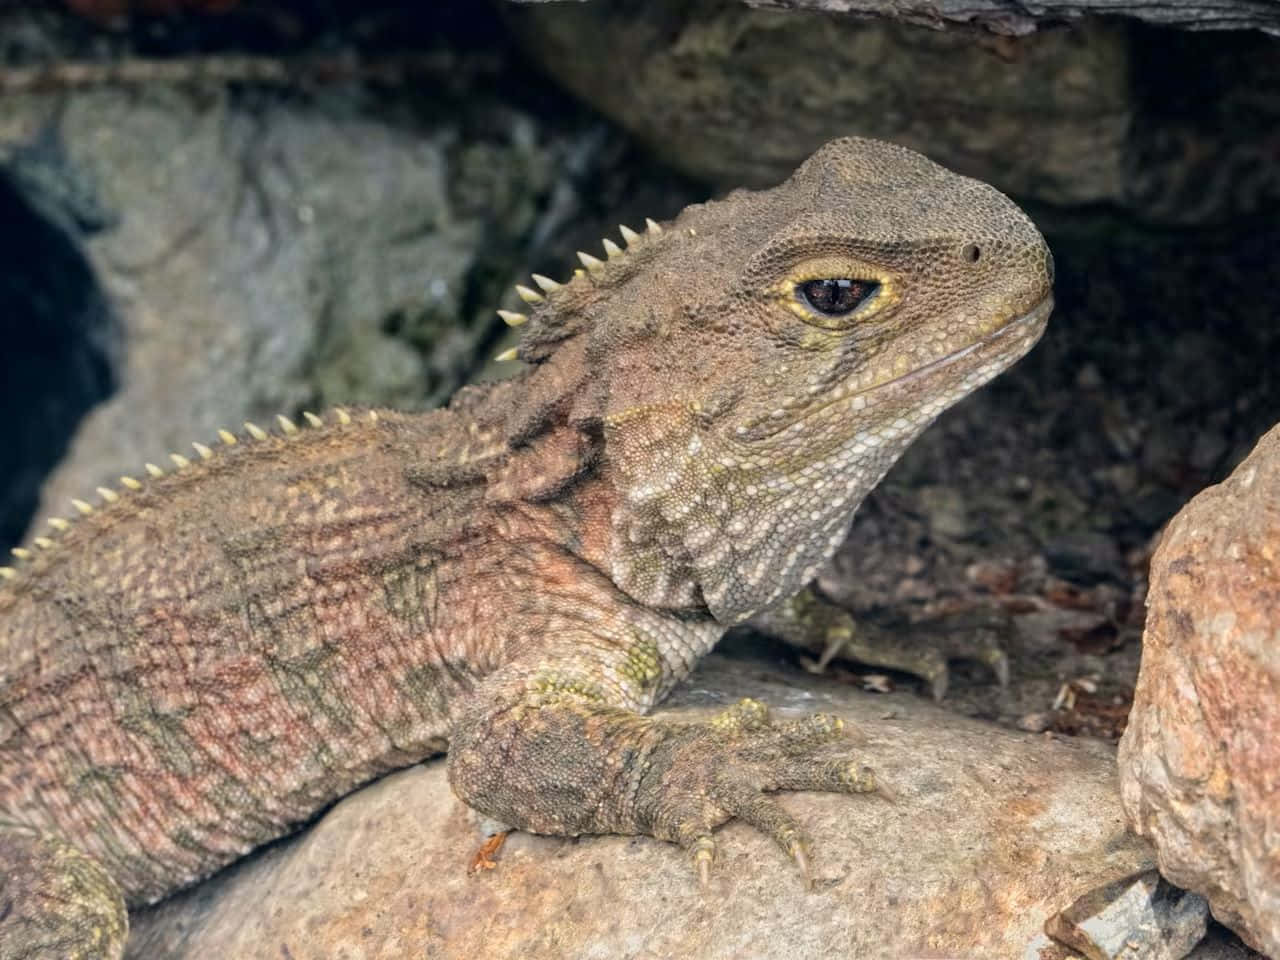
[
  {"x": 833, "y": 293},
  {"x": 834, "y": 296}
]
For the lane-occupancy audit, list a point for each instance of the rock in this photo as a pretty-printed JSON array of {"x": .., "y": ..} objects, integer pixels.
[
  {"x": 987, "y": 834},
  {"x": 270, "y": 255},
  {"x": 1085, "y": 557},
  {"x": 740, "y": 96},
  {"x": 1001, "y": 18},
  {"x": 236, "y": 233},
  {"x": 1200, "y": 760},
  {"x": 1167, "y": 125},
  {"x": 1219, "y": 944},
  {"x": 57, "y": 330},
  {"x": 1190, "y": 14},
  {"x": 1137, "y": 918}
]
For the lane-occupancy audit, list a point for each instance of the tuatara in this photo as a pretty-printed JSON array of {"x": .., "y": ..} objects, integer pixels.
[{"x": 215, "y": 652}]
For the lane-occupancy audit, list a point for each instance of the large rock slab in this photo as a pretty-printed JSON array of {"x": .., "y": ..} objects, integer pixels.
[
  {"x": 266, "y": 255},
  {"x": 736, "y": 96},
  {"x": 1169, "y": 126},
  {"x": 1000, "y": 17},
  {"x": 987, "y": 834},
  {"x": 1200, "y": 760}
]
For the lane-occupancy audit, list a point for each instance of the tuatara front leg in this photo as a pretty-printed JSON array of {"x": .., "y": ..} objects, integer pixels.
[
  {"x": 553, "y": 752},
  {"x": 56, "y": 903},
  {"x": 814, "y": 623}
]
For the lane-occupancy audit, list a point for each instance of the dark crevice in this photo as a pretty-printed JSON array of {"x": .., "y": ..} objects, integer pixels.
[{"x": 57, "y": 330}]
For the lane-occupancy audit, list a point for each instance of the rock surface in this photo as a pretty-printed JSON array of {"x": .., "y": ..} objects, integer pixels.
[
  {"x": 265, "y": 256},
  {"x": 1000, "y": 17},
  {"x": 1137, "y": 918},
  {"x": 1152, "y": 121},
  {"x": 1200, "y": 760},
  {"x": 988, "y": 832},
  {"x": 739, "y": 96}
]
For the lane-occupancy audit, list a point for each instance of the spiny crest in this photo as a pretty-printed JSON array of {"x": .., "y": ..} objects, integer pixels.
[
  {"x": 60, "y": 525},
  {"x": 548, "y": 326}
]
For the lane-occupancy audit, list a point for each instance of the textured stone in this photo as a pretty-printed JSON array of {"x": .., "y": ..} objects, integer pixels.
[
  {"x": 1172, "y": 126},
  {"x": 1002, "y": 18},
  {"x": 1023, "y": 18},
  {"x": 1137, "y": 918},
  {"x": 1200, "y": 760},
  {"x": 987, "y": 833},
  {"x": 735, "y": 95},
  {"x": 270, "y": 256}
]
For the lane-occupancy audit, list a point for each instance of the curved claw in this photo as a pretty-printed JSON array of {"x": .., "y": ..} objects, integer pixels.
[
  {"x": 998, "y": 661},
  {"x": 861, "y": 779},
  {"x": 704, "y": 774},
  {"x": 938, "y": 682},
  {"x": 801, "y": 858},
  {"x": 704, "y": 854}
]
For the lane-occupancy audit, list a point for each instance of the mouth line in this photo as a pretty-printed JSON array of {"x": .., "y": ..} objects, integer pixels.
[{"x": 1036, "y": 316}]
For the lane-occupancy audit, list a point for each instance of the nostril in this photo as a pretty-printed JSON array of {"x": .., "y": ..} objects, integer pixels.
[{"x": 1048, "y": 262}]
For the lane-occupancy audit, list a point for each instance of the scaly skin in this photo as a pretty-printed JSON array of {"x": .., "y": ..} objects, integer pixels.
[{"x": 212, "y": 656}]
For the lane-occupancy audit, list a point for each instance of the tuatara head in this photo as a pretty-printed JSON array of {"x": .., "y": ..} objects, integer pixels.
[{"x": 758, "y": 364}]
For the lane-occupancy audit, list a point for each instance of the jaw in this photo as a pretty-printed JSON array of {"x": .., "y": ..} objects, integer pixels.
[
  {"x": 822, "y": 467},
  {"x": 982, "y": 360},
  {"x": 968, "y": 367},
  {"x": 741, "y": 523},
  {"x": 909, "y": 403}
]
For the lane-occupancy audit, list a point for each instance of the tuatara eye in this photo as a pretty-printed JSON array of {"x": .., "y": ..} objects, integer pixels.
[{"x": 835, "y": 297}]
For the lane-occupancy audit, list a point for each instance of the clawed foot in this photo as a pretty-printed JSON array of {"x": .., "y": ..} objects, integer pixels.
[
  {"x": 702, "y": 774},
  {"x": 921, "y": 649},
  {"x": 564, "y": 764}
]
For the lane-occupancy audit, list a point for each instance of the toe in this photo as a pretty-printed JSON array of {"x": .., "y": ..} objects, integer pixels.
[
  {"x": 703, "y": 853},
  {"x": 830, "y": 776},
  {"x": 746, "y": 802},
  {"x": 744, "y": 716},
  {"x": 811, "y": 730}
]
